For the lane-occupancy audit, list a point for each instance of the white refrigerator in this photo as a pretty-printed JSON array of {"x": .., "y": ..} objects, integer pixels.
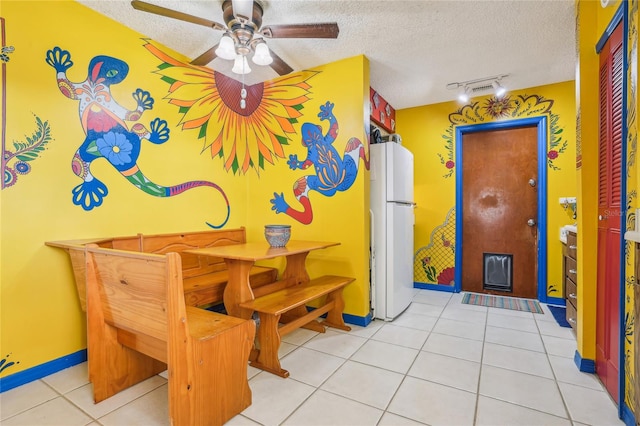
[{"x": 392, "y": 222}]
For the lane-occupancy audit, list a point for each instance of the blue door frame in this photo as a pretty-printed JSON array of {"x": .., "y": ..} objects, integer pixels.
[{"x": 541, "y": 124}]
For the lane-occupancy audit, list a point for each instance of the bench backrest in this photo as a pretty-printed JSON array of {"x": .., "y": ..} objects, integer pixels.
[
  {"x": 138, "y": 292},
  {"x": 193, "y": 265}
]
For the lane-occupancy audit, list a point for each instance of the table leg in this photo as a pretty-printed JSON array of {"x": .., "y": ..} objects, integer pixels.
[
  {"x": 295, "y": 270},
  {"x": 238, "y": 288}
]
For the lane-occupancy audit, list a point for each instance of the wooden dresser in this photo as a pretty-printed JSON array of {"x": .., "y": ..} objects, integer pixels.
[{"x": 570, "y": 267}]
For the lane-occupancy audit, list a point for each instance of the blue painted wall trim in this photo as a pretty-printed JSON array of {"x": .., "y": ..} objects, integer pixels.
[
  {"x": 556, "y": 301},
  {"x": 617, "y": 17},
  {"x": 541, "y": 123},
  {"x": 42, "y": 370},
  {"x": 627, "y": 416},
  {"x": 357, "y": 320},
  {"x": 436, "y": 287},
  {"x": 51, "y": 367},
  {"x": 584, "y": 365},
  {"x": 348, "y": 318}
]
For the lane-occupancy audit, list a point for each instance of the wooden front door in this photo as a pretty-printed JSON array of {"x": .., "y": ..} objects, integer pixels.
[
  {"x": 500, "y": 207},
  {"x": 610, "y": 211}
]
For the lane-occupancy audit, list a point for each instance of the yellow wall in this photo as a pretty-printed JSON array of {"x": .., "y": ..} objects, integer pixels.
[
  {"x": 344, "y": 81},
  {"x": 40, "y": 317},
  {"x": 429, "y": 132},
  {"x": 587, "y": 102}
]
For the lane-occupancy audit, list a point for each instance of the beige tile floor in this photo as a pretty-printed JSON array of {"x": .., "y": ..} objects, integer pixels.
[{"x": 440, "y": 363}]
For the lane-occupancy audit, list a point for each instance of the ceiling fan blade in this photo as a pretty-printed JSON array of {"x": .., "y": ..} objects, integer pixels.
[
  {"x": 206, "y": 57},
  {"x": 170, "y": 13},
  {"x": 278, "y": 65},
  {"x": 319, "y": 30}
]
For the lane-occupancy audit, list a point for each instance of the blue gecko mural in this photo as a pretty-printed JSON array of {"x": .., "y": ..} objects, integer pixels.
[
  {"x": 107, "y": 134},
  {"x": 333, "y": 173}
]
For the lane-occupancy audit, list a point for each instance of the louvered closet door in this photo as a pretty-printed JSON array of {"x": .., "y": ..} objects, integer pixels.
[{"x": 610, "y": 213}]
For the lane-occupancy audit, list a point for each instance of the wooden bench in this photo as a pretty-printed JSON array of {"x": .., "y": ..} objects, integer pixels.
[
  {"x": 284, "y": 310},
  {"x": 139, "y": 324},
  {"x": 205, "y": 277}
]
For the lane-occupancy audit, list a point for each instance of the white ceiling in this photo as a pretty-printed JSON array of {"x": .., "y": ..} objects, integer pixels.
[{"x": 415, "y": 47}]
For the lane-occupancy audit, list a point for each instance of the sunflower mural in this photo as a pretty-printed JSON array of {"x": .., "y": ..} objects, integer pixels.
[{"x": 244, "y": 138}]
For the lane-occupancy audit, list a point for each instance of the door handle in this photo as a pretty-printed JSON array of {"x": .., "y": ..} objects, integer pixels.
[
  {"x": 532, "y": 182},
  {"x": 531, "y": 222},
  {"x": 600, "y": 217}
]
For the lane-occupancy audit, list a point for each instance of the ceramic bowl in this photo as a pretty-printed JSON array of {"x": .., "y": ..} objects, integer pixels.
[{"x": 277, "y": 235}]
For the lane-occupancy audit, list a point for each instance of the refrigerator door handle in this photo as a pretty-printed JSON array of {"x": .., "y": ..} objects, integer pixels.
[{"x": 372, "y": 265}]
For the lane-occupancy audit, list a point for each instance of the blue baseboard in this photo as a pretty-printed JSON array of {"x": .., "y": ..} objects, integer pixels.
[
  {"x": 350, "y": 319},
  {"x": 356, "y": 320},
  {"x": 436, "y": 287},
  {"x": 584, "y": 365},
  {"x": 42, "y": 370},
  {"x": 555, "y": 301},
  {"x": 627, "y": 416}
]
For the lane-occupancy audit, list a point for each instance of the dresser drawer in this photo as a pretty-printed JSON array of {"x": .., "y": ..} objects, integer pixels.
[
  {"x": 571, "y": 291},
  {"x": 571, "y": 247},
  {"x": 571, "y": 269},
  {"x": 572, "y": 315}
]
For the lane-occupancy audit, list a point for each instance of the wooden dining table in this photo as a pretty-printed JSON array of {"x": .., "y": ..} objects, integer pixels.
[{"x": 239, "y": 259}]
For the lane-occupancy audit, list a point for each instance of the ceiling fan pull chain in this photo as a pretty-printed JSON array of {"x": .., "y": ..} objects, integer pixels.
[{"x": 243, "y": 92}]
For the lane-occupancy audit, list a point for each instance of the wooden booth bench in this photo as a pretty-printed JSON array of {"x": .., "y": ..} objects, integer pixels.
[
  {"x": 281, "y": 305},
  {"x": 205, "y": 277},
  {"x": 139, "y": 325},
  {"x": 283, "y": 311}
]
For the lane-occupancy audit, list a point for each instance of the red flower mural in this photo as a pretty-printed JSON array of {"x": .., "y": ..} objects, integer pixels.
[{"x": 447, "y": 276}]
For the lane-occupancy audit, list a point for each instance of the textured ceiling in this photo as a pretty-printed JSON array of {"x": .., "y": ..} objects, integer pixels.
[{"x": 415, "y": 47}]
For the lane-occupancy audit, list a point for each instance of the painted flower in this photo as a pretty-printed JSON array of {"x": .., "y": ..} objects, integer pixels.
[
  {"x": 426, "y": 260},
  {"x": 447, "y": 276},
  {"x": 553, "y": 154},
  {"x": 244, "y": 137},
  {"x": 115, "y": 147},
  {"x": 450, "y": 164},
  {"x": 22, "y": 167}
]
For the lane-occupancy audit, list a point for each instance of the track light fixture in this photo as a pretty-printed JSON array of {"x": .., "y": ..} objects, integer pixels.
[
  {"x": 465, "y": 93},
  {"x": 478, "y": 86},
  {"x": 499, "y": 89}
]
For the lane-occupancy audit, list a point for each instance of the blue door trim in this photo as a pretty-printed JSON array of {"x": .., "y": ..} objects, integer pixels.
[
  {"x": 541, "y": 124},
  {"x": 623, "y": 14}
]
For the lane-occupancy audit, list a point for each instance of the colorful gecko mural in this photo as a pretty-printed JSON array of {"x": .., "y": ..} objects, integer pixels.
[
  {"x": 107, "y": 135},
  {"x": 332, "y": 173}
]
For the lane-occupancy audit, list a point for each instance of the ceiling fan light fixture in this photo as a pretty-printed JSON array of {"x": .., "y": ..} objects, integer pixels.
[
  {"x": 226, "y": 49},
  {"x": 262, "y": 55},
  {"x": 241, "y": 65}
]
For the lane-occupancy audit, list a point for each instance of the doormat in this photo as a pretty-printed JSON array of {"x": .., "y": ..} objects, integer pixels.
[
  {"x": 514, "y": 303},
  {"x": 560, "y": 315}
]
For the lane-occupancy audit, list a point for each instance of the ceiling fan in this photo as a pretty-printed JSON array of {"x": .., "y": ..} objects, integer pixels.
[{"x": 244, "y": 33}]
